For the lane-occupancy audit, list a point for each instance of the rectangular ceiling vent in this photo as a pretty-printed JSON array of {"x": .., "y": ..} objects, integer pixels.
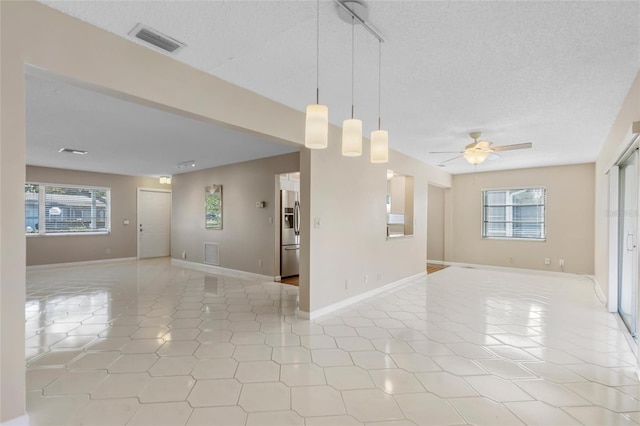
[
  {"x": 212, "y": 254},
  {"x": 156, "y": 38}
]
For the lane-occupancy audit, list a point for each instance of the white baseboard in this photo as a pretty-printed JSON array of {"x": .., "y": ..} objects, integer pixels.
[
  {"x": 513, "y": 269},
  {"x": 362, "y": 296},
  {"x": 82, "y": 263},
  {"x": 220, "y": 270},
  {"x": 17, "y": 421},
  {"x": 437, "y": 262}
]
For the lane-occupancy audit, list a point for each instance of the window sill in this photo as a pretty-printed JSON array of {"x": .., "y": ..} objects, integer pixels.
[
  {"x": 398, "y": 237},
  {"x": 67, "y": 234},
  {"x": 515, "y": 239}
]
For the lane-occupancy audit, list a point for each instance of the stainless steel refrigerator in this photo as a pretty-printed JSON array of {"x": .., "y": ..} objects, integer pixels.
[{"x": 289, "y": 233}]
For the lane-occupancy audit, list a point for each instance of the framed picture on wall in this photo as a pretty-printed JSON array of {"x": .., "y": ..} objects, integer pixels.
[{"x": 213, "y": 207}]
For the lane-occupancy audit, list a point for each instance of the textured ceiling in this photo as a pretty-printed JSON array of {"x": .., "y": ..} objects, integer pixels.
[
  {"x": 123, "y": 137},
  {"x": 553, "y": 73}
]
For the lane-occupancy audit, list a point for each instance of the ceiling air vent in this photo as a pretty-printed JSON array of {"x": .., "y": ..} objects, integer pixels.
[
  {"x": 156, "y": 38},
  {"x": 72, "y": 151}
]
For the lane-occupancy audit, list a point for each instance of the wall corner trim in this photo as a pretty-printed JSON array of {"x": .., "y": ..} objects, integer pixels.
[
  {"x": 362, "y": 296},
  {"x": 220, "y": 270}
]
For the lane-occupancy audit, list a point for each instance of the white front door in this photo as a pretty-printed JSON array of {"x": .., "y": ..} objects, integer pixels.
[{"x": 154, "y": 223}]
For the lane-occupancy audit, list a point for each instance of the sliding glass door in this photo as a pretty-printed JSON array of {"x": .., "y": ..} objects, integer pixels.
[{"x": 627, "y": 249}]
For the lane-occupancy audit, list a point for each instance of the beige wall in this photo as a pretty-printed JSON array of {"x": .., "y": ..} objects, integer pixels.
[
  {"x": 122, "y": 241},
  {"x": 349, "y": 252},
  {"x": 569, "y": 220},
  {"x": 247, "y": 235},
  {"x": 619, "y": 136},
  {"x": 435, "y": 223}
]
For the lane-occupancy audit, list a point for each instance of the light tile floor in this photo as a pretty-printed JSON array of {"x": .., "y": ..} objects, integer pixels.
[{"x": 147, "y": 343}]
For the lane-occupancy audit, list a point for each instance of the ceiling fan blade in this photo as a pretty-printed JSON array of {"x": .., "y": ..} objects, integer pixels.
[
  {"x": 512, "y": 147},
  {"x": 444, "y": 152},
  {"x": 450, "y": 159},
  {"x": 471, "y": 145}
]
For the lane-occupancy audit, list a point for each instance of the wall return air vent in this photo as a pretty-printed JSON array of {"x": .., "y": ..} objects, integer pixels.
[
  {"x": 156, "y": 38},
  {"x": 212, "y": 254}
]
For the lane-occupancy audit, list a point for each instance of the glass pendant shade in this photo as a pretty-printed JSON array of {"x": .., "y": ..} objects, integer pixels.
[
  {"x": 168, "y": 180},
  {"x": 474, "y": 156},
  {"x": 352, "y": 137},
  {"x": 379, "y": 146},
  {"x": 316, "y": 132}
]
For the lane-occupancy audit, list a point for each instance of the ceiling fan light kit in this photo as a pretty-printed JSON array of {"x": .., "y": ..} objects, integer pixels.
[
  {"x": 475, "y": 157},
  {"x": 478, "y": 151}
]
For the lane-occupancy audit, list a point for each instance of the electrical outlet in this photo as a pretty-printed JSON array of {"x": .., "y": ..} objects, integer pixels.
[
  {"x": 184, "y": 254},
  {"x": 547, "y": 261},
  {"x": 366, "y": 278},
  {"x": 108, "y": 251},
  {"x": 511, "y": 260},
  {"x": 260, "y": 263},
  {"x": 379, "y": 277},
  {"x": 346, "y": 284},
  {"x": 561, "y": 262}
]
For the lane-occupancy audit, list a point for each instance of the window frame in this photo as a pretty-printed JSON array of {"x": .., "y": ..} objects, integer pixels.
[
  {"x": 42, "y": 230},
  {"x": 515, "y": 188}
]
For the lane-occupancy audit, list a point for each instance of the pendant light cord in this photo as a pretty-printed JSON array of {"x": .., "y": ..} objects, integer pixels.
[
  {"x": 379, "y": 81},
  {"x": 318, "y": 52},
  {"x": 353, "y": 43}
]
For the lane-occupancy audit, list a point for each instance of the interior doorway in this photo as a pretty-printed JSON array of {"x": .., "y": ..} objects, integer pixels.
[
  {"x": 154, "y": 223},
  {"x": 289, "y": 235}
]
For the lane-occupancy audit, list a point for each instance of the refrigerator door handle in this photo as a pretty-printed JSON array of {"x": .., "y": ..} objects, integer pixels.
[{"x": 296, "y": 218}]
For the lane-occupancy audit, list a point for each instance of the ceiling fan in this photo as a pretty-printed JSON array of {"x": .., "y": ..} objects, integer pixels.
[{"x": 478, "y": 151}]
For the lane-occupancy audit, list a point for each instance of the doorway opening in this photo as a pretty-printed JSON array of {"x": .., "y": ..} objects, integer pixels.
[{"x": 289, "y": 218}]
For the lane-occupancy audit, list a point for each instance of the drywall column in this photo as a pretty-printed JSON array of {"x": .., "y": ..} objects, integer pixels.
[
  {"x": 12, "y": 239},
  {"x": 306, "y": 202}
]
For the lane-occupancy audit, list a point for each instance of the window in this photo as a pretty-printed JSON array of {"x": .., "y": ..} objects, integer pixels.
[
  {"x": 514, "y": 213},
  {"x": 55, "y": 209}
]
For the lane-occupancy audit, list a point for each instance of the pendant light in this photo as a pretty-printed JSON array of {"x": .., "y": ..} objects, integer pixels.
[
  {"x": 316, "y": 132},
  {"x": 379, "y": 138},
  {"x": 352, "y": 128}
]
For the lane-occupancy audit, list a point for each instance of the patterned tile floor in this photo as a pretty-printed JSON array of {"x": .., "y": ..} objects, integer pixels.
[{"x": 147, "y": 343}]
